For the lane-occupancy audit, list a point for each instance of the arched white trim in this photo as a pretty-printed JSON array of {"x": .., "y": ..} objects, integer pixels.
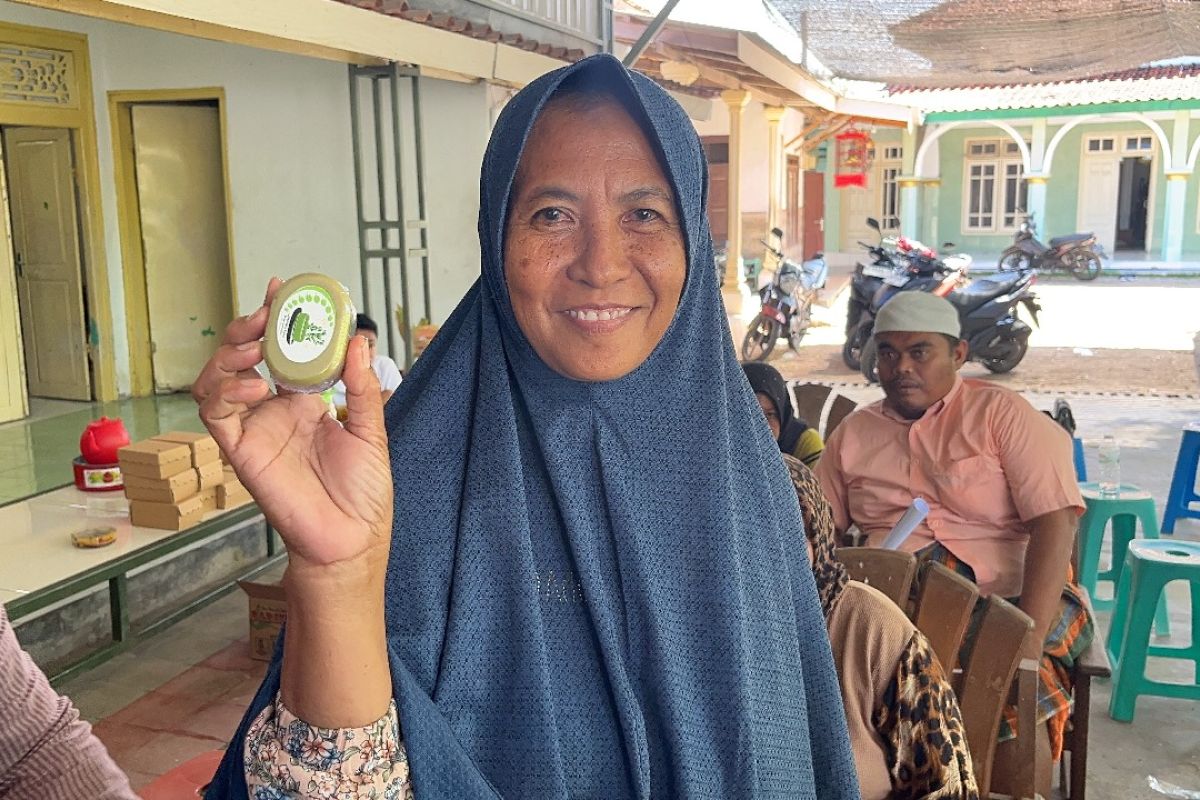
[
  {"x": 1191, "y": 162},
  {"x": 1168, "y": 159},
  {"x": 1163, "y": 141},
  {"x": 1048, "y": 158},
  {"x": 942, "y": 128}
]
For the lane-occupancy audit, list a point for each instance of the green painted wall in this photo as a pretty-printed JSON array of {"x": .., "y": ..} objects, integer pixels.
[{"x": 1062, "y": 190}]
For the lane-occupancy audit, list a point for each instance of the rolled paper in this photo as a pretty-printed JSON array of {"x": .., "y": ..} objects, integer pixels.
[{"x": 908, "y": 523}]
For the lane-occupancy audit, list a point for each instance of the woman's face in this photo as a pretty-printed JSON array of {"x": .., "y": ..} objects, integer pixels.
[
  {"x": 593, "y": 250},
  {"x": 769, "y": 411}
]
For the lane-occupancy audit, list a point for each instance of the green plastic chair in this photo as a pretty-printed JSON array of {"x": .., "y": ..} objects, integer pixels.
[
  {"x": 1149, "y": 566},
  {"x": 1125, "y": 512}
]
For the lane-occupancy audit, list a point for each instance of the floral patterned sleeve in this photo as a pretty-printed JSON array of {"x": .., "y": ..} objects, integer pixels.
[
  {"x": 286, "y": 757},
  {"x": 922, "y": 729}
]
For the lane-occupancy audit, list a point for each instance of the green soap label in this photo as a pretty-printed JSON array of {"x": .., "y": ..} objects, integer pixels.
[{"x": 306, "y": 323}]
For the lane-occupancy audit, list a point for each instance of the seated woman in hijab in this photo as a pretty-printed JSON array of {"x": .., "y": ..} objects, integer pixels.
[
  {"x": 906, "y": 729},
  {"x": 796, "y": 437},
  {"x": 556, "y": 599}
]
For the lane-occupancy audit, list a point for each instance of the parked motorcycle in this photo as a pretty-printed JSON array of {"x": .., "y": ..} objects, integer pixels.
[
  {"x": 786, "y": 300},
  {"x": 863, "y": 286},
  {"x": 987, "y": 309},
  {"x": 908, "y": 266},
  {"x": 1078, "y": 253}
]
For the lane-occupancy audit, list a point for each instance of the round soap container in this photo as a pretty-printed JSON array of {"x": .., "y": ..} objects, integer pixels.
[{"x": 311, "y": 322}]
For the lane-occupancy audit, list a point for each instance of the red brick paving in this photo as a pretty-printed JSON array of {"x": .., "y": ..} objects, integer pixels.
[{"x": 166, "y": 740}]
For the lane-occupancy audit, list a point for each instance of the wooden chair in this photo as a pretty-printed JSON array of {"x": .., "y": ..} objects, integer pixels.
[
  {"x": 945, "y": 600},
  {"x": 890, "y": 571},
  {"x": 810, "y": 401},
  {"x": 1093, "y": 663},
  {"x": 942, "y": 611}
]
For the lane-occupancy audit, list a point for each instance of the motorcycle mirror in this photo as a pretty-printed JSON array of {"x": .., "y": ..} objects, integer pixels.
[
  {"x": 873, "y": 224},
  {"x": 778, "y": 232}
]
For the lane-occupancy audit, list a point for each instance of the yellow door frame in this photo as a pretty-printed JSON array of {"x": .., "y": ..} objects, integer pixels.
[
  {"x": 78, "y": 115},
  {"x": 129, "y": 220}
]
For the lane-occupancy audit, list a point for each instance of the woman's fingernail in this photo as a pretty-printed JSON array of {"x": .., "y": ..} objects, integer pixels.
[
  {"x": 366, "y": 354},
  {"x": 267, "y": 296},
  {"x": 248, "y": 345}
]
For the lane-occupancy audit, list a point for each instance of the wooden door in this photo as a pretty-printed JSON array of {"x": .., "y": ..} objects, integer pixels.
[
  {"x": 793, "y": 229},
  {"x": 45, "y": 227},
  {"x": 814, "y": 213},
  {"x": 716, "y": 151},
  {"x": 185, "y": 246},
  {"x": 13, "y": 399}
]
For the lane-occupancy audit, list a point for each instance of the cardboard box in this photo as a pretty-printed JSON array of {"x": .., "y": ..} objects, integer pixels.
[
  {"x": 208, "y": 498},
  {"x": 166, "y": 516},
  {"x": 154, "y": 459},
  {"x": 210, "y": 475},
  {"x": 204, "y": 447},
  {"x": 232, "y": 494},
  {"x": 268, "y": 612},
  {"x": 166, "y": 490}
]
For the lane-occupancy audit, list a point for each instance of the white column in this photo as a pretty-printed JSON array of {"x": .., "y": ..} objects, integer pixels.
[
  {"x": 774, "y": 115},
  {"x": 932, "y": 190},
  {"x": 736, "y": 99},
  {"x": 910, "y": 185},
  {"x": 1177, "y": 181},
  {"x": 910, "y": 212},
  {"x": 1035, "y": 201},
  {"x": 1173, "y": 216}
]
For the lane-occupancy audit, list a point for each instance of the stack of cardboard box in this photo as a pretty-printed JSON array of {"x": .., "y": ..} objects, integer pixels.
[{"x": 172, "y": 479}]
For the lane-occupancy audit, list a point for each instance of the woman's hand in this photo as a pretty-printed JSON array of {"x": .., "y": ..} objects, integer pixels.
[{"x": 327, "y": 489}]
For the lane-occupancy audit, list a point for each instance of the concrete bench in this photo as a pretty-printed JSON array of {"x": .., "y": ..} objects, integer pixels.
[{"x": 40, "y": 568}]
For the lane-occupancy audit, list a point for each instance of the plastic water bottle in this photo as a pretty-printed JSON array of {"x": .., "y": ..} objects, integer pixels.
[{"x": 1110, "y": 467}]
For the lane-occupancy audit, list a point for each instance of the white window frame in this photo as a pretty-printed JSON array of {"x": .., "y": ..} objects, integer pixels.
[
  {"x": 1001, "y": 162},
  {"x": 890, "y": 167}
]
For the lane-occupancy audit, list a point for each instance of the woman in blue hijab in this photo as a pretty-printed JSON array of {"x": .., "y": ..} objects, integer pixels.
[{"x": 540, "y": 578}]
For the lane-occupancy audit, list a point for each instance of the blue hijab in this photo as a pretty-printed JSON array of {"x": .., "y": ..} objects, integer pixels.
[{"x": 598, "y": 590}]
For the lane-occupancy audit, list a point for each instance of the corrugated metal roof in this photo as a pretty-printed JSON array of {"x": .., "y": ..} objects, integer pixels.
[
  {"x": 476, "y": 30},
  {"x": 1135, "y": 85}
]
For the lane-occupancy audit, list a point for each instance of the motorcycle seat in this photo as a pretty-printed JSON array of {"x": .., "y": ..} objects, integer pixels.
[
  {"x": 1071, "y": 238},
  {"x": 979, "y": 292}
]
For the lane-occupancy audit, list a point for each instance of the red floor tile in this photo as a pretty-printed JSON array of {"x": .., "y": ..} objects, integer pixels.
[
  {"x": 203, "y": 683},
  {"x": 120, "y": 740},
  {"x": 236, "y": 657},
  {"x": 184, "y": 782},
  {"x": 218, "y": 721},
  {"x": 161, "y": 712},
  {"x": 165, "y": 752}
]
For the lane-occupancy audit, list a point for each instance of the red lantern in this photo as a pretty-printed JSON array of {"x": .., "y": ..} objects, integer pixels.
[{"x": 855, "y": 151}]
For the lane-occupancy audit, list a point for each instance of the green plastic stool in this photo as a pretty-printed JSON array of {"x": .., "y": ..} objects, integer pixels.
[
  {"x": 1130, "y": 507},
  {"x": 1149, "y": 566}
]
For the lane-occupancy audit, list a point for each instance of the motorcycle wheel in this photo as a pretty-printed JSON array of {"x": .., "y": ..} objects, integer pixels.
[
  {"x": 805, "y": 313},
  {"x": 1013, "y": 259},
  {"x": 869, "y": 359},
  {"x": 1085, "y": 265},
  {"x": 760, "y": 339},
  {"x": 852, "y": 349},
  {"x": 1014, "y": 351}
]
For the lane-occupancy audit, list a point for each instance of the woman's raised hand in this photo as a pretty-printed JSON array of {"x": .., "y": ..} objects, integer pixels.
[{"x": 327, "y": 489}]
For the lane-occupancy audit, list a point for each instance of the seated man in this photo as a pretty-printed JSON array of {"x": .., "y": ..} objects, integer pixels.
[
  {"x": 385, "y": 368},
  {"x": 997, "y": 475}
]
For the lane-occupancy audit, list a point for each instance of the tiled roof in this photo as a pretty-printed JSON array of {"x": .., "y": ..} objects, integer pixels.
[
  {"x": 1180, "y": 82},
  {"x": 476, "y": 30}
]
